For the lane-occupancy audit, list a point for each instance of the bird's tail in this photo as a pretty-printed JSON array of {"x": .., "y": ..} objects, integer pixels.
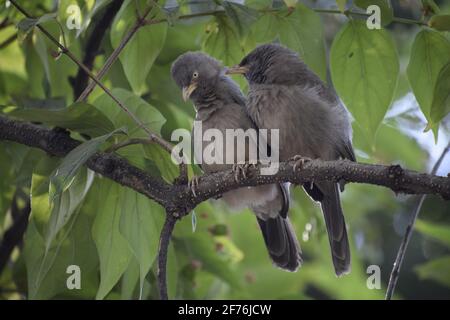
[
  {"x": 335, "y": 223},
  {"x": 281, "y": 242},
  {"x": 278, "y": 233}
]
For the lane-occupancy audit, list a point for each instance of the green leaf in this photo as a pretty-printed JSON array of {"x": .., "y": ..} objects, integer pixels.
[
  {"x": 241, "y": 15},
  {"x": 435, "y": 231},
  {"x": 80, "y": 117},
  {"x": 27, "y": 24},
  {"x": 441, "y": 97},
  {"x": 386, "y": 10},
  {"x": 64, "y": 175},
  {"x": 436, "y": 270},
  {"x": 202, "y": 248},
  {"x": 64, "y": 205},
  {"x": 341, "y": 5},
  {"x": 148, "y": 114},
  {"x": 364, "y": 69},
  {"x": 140, "y": 224},
  {"x": 429, "y": 55},
  {"x": 46, "y": 265},
  {"x": 222, "y": 42},
  {"x": 301, "y": 30},
  {"x": 258, "y": 4},
  {"x": 440, "y": 22},
  {"x": 144, "y": 47},
  {"x": 113, "y": 249},
  {"x": 163, "y": 162}
]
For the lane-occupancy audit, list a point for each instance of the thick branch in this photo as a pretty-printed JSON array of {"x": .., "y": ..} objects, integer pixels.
[
  {"x": 164, "y": 240},
  {"x": 179, "y": 198},
  {"x": 57, "y": 143}
]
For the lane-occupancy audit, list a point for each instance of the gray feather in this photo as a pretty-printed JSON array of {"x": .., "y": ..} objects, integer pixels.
[
  {"x": 285, "y": 94},
  {"x": 220, "y": 104}
]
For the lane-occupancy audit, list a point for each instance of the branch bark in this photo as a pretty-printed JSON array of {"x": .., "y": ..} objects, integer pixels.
[
  {"x": 164, "y": 240},
  {"x": 93, "y": 44},
  {"x": 178, "y": 199}
]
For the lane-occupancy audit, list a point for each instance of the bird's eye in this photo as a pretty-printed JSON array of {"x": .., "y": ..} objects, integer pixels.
[{"x": 195, "y": 74}]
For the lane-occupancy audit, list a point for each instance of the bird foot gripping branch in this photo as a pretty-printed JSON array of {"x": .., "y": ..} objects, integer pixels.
[{"x": 299, "y": 162}]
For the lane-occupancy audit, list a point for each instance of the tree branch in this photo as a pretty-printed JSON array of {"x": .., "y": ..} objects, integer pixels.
[
  {"x": 395, "y": 273},
  {"x": 164, "y": 240},
  {"x": 152, "y": 136},
  {"x": 93, "y": 44},
  {"x": 8, "y": 41},
  {"x": 13, "y": 236},
  {"x": 115, "y": 54},
  {"x": 178, "y": 199}
]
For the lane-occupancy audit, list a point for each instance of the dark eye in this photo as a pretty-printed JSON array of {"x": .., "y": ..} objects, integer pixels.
[{"x": 195, "y": 74}]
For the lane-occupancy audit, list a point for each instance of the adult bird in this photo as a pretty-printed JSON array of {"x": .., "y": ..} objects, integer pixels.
[
  {"x": 220, "y": 105},
  {"x": 285, "y": 94}
]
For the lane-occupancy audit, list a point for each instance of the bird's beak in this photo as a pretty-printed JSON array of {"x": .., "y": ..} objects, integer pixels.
[
  {"x": 187, "y": 91},
  {"x": 237, "y": 70}
]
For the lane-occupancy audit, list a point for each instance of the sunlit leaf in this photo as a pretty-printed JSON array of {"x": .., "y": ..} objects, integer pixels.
[
  {"x": 341, "y": 4},
  {"x": 140, "y": 53},
  {"x": 149, "y": 115},
  {"x": 364, "y": 69},
  {"x": 300, "y": 29},
  {"x": 429, "y": 54},
  {"x": 113, "y": 249},
  {"x": 441, "y": 97},
  {"x": 140, "y": 223}
]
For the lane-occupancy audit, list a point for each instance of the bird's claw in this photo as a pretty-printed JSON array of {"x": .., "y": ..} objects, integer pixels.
[
  {"x": 193, "y": 184},
  {"x": 299, "y": 162},
  {"x": 240, "y": 170}
]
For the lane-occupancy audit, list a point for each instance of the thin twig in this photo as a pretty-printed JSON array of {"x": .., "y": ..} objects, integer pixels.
[
  {"x": 8, "y": 41},
  {"x": 152, "y": 136},
  {"x": 115, "y": 54},
  {"x": 164, "y": 240},
  {"x": 395, "y": 273},
  {"x": 318, "y": 10},
  {"x": 93, "y": 44}
]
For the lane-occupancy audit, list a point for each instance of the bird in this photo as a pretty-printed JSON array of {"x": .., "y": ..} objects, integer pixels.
[
  {"x": 220, "y": 104},
  {"x": 285, "y": 94}
]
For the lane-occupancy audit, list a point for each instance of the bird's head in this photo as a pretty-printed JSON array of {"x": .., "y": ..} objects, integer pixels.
[
  {"x": 196, "y": 74},
  {"x": 267, "y": 64}
]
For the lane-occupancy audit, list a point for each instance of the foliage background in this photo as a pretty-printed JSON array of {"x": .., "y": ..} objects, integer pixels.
[{"x": 112, "y": 232}]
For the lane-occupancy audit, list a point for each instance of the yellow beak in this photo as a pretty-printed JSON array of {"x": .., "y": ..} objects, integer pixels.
[
  {"x": 237, "y": 70},
  {"x": 187, "y": 91}
]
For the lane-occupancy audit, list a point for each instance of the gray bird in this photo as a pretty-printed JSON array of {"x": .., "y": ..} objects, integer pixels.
[
  {"x": 285, "y": 94},
  {"x": 220, "y": 104}
]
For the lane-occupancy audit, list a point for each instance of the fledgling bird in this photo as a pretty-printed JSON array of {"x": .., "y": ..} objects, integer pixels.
[
  {"x": 285, "y": 94},
  {"x": 219, "y": 104}
]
